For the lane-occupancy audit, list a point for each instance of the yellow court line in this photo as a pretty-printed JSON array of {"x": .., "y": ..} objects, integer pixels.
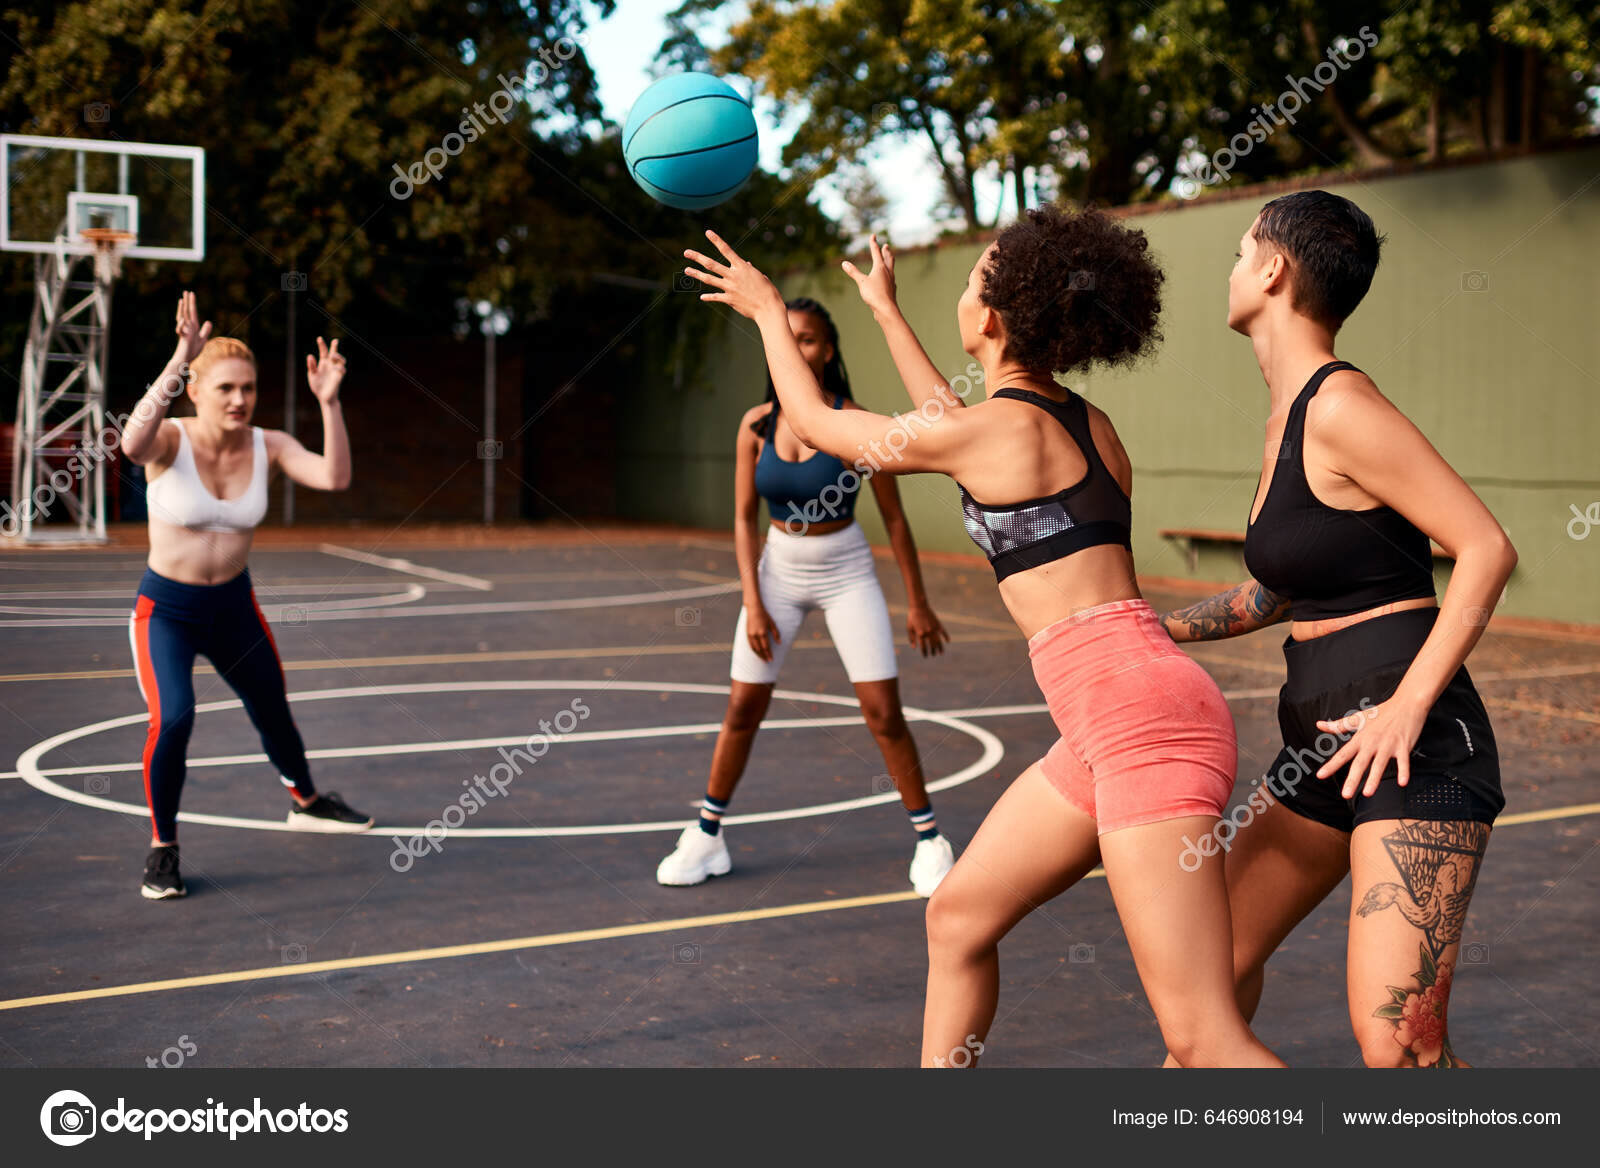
[
  {"x": 468, "y": 658},
  {"x": 1552, "y": 813},
  {"x": 472, "y": 950},
  {"x": 573, "y": 938}
]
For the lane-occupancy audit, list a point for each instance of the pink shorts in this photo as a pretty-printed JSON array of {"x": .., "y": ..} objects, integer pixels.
[{"x": 1146, "y": 735}]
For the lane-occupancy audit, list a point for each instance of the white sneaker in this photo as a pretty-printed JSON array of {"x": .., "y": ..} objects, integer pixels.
[
  {"x": 933, "y": 859},
  {"x": 697, "y": 856}
]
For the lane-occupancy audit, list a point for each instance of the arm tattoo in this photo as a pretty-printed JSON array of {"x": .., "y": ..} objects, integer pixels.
[{"x": 1227, "y": 614}]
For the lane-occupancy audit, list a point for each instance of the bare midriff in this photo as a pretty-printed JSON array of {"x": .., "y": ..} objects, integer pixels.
[{"x": 1039, "y": 597}]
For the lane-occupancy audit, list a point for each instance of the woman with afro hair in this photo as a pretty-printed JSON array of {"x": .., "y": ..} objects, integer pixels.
[{"x": 1147, "y": 751}]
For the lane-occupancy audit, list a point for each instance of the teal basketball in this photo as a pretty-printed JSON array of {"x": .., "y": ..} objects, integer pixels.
[{"x": 690, "y": 141}]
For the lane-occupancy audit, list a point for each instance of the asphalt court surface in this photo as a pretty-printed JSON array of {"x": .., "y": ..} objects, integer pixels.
[{"x": 534, "y": 932}]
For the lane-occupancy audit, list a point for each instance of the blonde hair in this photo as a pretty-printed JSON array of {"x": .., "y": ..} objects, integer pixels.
[{"x": 220, "y": 349}]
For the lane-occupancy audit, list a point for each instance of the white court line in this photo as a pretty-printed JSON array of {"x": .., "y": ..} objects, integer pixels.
[
  {"x": 506, "y": 606},
  {"x": 993, "y": 751},
  {"x": 74, "y": 618},
  {"x": 282, "y": 588},
  {"x": 394, "y": 565}
]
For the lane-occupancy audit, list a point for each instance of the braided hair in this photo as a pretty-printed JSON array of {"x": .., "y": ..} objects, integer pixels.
[{"x": 834, "y": 378}]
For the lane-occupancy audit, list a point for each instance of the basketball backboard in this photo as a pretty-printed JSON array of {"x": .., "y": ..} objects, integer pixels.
[{"x": 60, "y": 186}]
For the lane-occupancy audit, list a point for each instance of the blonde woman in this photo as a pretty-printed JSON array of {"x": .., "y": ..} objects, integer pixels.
[{"x": 207, "y": 493}]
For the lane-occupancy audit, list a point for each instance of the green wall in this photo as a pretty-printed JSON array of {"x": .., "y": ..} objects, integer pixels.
[{"x": 1503, "y": 379}]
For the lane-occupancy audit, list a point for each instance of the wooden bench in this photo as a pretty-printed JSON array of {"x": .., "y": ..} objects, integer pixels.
[{"x": 1193, "y": 538}]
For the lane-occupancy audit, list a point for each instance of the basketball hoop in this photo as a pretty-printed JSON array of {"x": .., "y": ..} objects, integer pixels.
[{"x": 109, "y": 244}]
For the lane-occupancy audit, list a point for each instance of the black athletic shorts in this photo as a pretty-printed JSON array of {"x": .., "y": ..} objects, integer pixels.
[{"x": 1455, "y": 768}]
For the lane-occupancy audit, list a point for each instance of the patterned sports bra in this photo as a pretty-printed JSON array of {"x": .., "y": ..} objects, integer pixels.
[{"x": 1093, "y": 511}]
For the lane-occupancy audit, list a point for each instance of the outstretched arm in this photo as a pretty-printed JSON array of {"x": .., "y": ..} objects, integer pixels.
[
  {"x": 330, "y": 470},
  {"x": 145, "y": 439},
  {"x": 917, "y": 370},
  {"x": 905, "y": 444},
  {"x": 1241, "y": 609}
]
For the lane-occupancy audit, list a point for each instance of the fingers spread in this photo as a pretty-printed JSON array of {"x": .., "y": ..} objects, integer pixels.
[{"x": 716, "y": 241}]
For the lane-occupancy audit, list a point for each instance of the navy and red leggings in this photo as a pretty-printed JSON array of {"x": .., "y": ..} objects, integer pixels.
[{"x": 171, "y": 623}]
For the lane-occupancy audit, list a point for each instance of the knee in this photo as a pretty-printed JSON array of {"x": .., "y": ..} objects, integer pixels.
[
  {"x": 744, "y": 715},
  {"x": 955, "y": 932},
  {"x": 884, "y": 719},
  {"x": 1199, "y": 1037},
  {"x": 176, "y": 724},
  {"x": 1381, "y": 1049}
]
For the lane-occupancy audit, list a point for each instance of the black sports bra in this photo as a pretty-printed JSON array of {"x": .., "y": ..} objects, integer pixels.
[
  {"x": 1326, "y": 561},
  {"x": 1019, "y": 536}
]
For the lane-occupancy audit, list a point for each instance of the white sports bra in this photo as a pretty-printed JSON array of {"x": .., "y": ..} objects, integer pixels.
[{"x": 177, "y": 495}]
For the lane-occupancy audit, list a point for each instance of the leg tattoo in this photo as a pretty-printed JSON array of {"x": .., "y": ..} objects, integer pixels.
[{"x": 1439, "y": 863}]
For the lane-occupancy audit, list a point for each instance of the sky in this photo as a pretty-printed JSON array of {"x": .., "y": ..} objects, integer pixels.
[{"x": 620, "y": 50}]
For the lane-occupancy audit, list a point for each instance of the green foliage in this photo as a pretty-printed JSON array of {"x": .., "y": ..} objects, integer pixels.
[{"x": 305, "y": 112}]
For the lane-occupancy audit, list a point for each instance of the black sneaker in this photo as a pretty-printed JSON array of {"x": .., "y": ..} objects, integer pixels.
[
  {"x": 328, "y": 813},
  {"x": 161, "y": 879}
]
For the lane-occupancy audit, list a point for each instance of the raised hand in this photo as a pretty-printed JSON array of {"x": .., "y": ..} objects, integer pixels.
[
  {"x": 877, "y": 286},
  {"x": 325, "y": 371},
  {"x": 192, "y": 335},
  {"x": 738, "y": 283}
]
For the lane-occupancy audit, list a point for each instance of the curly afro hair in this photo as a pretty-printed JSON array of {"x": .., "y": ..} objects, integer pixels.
[{"x": 1074, "y": 288}]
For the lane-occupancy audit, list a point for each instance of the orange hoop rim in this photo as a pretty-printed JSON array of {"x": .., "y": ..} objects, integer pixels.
[{"x": 107, "y": 236}]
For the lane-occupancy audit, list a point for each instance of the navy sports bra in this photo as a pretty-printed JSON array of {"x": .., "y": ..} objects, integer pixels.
[
  {"x": 818, "y": 489},
  {"x": 1329, "y": 562},
  {"x": 1019, "y": 536}
]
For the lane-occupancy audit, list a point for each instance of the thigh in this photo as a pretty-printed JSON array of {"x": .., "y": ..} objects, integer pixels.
[
  {"x": 1176, "y": 919},
  {"x": 163, "y": 660},
  {"x": 1411, "y": 886},
  {"x": 245, "y": 655},
  {"x": 745, "y": 665},
  {"x": 863, "y": 635},
  {"x": 1031, "y": 847},
  {"x": 1279, "y": 866}
]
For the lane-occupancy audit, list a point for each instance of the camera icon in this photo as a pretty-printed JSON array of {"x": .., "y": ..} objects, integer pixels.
[
  {"x": 72, "y": 1119},
  {"x": 97, "y": 785},
  {"x": 97, "y": 113},
  {"x": 1186, "y": 188},
  {"x": 293, "y": 281},
  {"x": 687, "y": 618},
  {"x": 293, "y": 954},
  {"x": 1081, "y": 955},
  {"x": 1474, "y": 281},
  {"x": 1081, "y": 282},
  {"x": 68, "y": 1118},
  {"x": 491, "y": 449},
  {"x": 883, "y": 111},
  {"x": 1476, "y": 953},
  {"x": 1476, "y": 617},
  {"x": 684, "y": 282},
  {"x": 294, "y": 615},
  {"x": 883, "y": 785},
  {"x": 686, "y": 953}
]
